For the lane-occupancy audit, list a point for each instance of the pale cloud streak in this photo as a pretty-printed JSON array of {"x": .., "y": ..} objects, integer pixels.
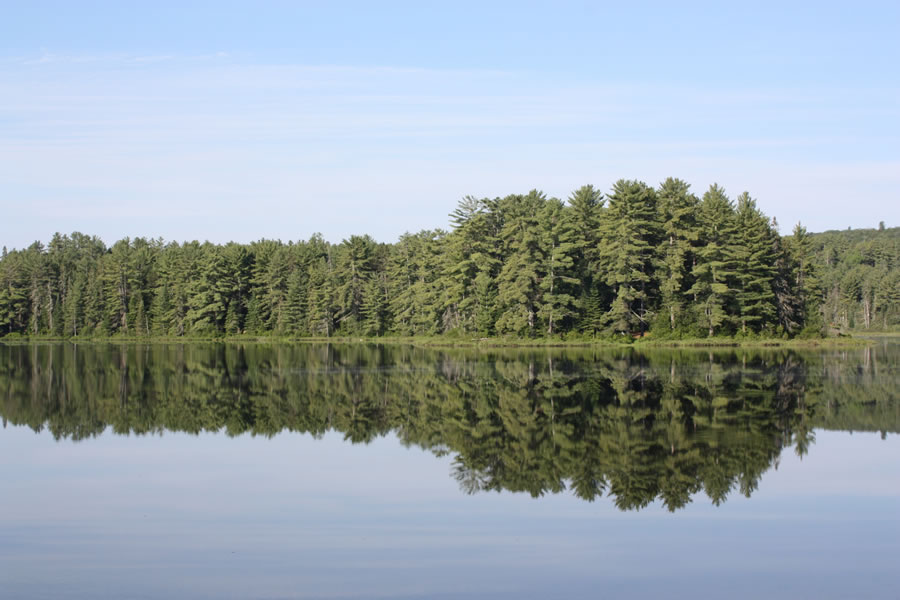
[{"x": 184, "y": 147}]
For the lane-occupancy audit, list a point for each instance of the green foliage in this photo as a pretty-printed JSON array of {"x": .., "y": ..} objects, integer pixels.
[
  {"x": 641, "y": 260},
  {"x": 413, "y": 280},
  {"x": 716, "y": 261},
  {"x": 756, "y": 260},
  {"x": 852, "y": 277},
  {"x": 678, "y": 213},
  {"x": 557, "y": 304},
  {"x": 519, "y": 280},
  {"x": 628, "y": 255}
]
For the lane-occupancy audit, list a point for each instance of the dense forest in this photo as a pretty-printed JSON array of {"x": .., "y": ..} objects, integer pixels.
[
  {"x": 634, "y": 262},
  {"x": 636, "y": 426}
]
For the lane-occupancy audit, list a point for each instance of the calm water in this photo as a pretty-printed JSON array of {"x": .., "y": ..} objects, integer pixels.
[{"x": 314, "y": 471}]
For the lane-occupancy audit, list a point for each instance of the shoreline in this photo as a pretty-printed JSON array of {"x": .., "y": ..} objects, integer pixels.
[{"x": 851, "y": 341}]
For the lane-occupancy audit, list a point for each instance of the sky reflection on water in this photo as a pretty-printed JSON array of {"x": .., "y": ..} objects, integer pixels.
[
  {"x": 184, "y": 515},
  {"x": 199, "y": 516}
]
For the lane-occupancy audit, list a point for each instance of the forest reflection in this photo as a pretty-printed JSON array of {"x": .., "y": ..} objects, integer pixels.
[{"x": 636, "y": 426}]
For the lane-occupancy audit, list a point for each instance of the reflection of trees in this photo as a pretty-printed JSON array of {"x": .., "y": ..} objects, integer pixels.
[{"x": 658, "y": 426}]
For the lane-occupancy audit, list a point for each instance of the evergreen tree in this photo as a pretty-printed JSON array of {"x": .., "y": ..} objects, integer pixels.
[
  {"x": 141, "y": 282},
  {"x": 558, "y": 283},
  {"x": 586, "y": 214},
  {"x": 519, "y": 264},
  {"x": 295, "y": 303},
  {"x": 414, "y": 267},
  {"x": 585, "y": 208},
  {"x": 117, "y": 290},
  {"x": 805, "y": 281},
  {"x": 206, "y": 303},
  {"x": 485, "y": 300},
  {"x": 374, "y": 308},
  {"x": 474, "y": 247},
  {"x": 13, "y": 298},
  {"x": 320, "y": 312},
  {"x": 755, "y": 266},
  {"x": 268, "y": 282},
  {"x": 788, "y": 302},
  {"x": 714, "y": 271},
  {"x": 518, "y": 284},
  {"x": 235, "y": 287},
  {"x": 678, "y": 212},
  {"x": 632, "y": 235},
  {"x": 74, "y": 307},
  {"x": 355, "y": 265}
]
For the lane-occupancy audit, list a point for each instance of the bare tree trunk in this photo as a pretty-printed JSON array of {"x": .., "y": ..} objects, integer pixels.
[
  {"x": 866, "y": 315},
  {"x": 123, "y": 297},
  {"x": 550, "y": 320},
  {"x": 50, "y": 306},
  {"x": 874, "y": 307}
]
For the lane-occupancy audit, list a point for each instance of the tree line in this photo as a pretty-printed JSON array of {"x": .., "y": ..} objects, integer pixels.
[
  {"x": 634, "y": 426},
  {"x": 635, "y": 261}
]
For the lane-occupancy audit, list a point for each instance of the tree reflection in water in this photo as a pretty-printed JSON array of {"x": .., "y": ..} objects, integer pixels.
[{"x": 638, "y": 427}]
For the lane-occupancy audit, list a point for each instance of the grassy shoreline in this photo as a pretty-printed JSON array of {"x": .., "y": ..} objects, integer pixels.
[{"x": 475, "y": 342}]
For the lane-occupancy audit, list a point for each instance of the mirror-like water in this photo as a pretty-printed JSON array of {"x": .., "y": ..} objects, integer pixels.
[{"x": 361, "y": 471}]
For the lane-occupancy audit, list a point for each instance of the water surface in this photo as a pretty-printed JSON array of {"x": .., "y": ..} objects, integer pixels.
[{"x": 345, "y": 471}]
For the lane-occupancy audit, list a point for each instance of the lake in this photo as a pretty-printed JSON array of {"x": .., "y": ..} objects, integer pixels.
[{"x": 391, "y": 471}]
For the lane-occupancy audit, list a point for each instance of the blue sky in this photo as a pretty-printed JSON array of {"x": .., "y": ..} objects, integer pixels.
[{"x": 238, "y": 121}]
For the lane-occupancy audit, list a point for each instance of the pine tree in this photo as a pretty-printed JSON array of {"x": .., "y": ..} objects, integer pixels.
[
  {"x": 474, "y": 246},
  {"x": 678, "y": 211},
  {"x": 206, "y": 302},
  {"x": 518, "y": 264},
  {"x": 141, "y": 282},
  {"x": 178, "y": 269},
  {"x": 273, "y": 299},
  {"x": 631, "y": 237},
  {"x": 585, "y": 208},
  {"x": 161, "y": 309},
  {"x": 253, "y": 321},
  {"x": 413, "y": 269},
  {"x": 235, "y": 287},
  {"x": 262, "y": 300},
  {"x": 594, "y": 312},
  {"x": 518, "y": 284},
  {"x": 755, "y": 267},
  {"x": 117, "y": 292},
  {"x": 13, "y": 299},
  {"x": 295, "y": 303},
  {"x": 374, "y": 308},
  {"x": 94, "y": 311},
  {"x": 355, "y": 264},
  {"x": 484, "y": 293},
  {"x": 586, "y": 212},
  {"x": 558, "y": 282},
  {"x": 805, "y": 282},
  {"x": 714, "y": 271},
  {"x": 320, "y": 312}
]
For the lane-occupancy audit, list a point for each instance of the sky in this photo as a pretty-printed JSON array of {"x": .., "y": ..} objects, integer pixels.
[{"x": 239, "y": 121}]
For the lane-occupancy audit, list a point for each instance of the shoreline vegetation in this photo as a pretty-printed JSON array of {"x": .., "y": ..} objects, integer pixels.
[
  {"x": 843, "y": 341},
  {"x": 639, "y": 265}
]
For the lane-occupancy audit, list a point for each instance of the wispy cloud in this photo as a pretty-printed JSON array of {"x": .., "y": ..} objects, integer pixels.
[{"x": 86, "y": 140}]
